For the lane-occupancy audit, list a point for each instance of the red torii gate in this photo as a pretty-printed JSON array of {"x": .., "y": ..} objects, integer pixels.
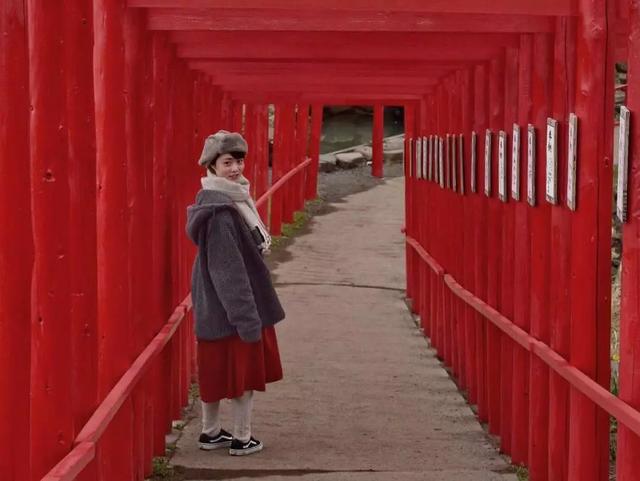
[{"x": 125, "y": 91}]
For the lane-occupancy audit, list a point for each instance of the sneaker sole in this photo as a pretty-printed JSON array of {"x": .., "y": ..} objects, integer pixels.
[
  {"x": 212, "y": 447},
  {"x": 245, "y": 452}
]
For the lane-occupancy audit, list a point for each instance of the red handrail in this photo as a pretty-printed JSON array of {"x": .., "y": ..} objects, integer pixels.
[
  {"x": 84, "y": 448},
  {"x": 613, "y": 405}
]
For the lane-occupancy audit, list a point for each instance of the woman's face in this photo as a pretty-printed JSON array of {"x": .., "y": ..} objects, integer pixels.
[{"x": 228, "y": 167}]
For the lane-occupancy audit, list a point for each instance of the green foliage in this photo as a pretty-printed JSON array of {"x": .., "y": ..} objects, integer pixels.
[
  {"x": 161, "y": 468},
  {"x": 522, "y": 473}
]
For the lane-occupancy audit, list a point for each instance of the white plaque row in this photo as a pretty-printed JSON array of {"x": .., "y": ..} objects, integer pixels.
[{"x": 441, "y": 160}]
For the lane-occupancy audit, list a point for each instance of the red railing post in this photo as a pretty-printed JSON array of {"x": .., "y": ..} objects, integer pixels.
[
  {"x": 628, "y": 462},
  {"x": 521, "y": 262},
  {"x": 16, "y": 247},
  {"x": 377, "y": 140},
  {"x": 409, "y": 134},
  {"x": 261, "y": 158},
  {"x": 585, "y": 448}
]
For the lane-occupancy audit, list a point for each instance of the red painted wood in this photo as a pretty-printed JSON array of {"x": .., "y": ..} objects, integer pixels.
[
  {"x": 507, "y": 287},
  {"x": 544, "y": 7},
  {"x": 559, "y": 262},
  {"x": 314, "y": 151},
  {"x": 362, "y": 46},
  {"x": 301, "y": 149},
  {"x": 628, "y": 463},
  {"x": 494, "y": 240},
  {"x": 159, "y": 226},
  {"x": 539, "y": 233},
  {"x": 469, "y": 206},
  {"x": 16, "y": 248},
  {"x": 409, "y": 134},
  {"x": 279, "y": 169},
  {"x": 82, "y": 175},
  {"x": 262, "y": 155},
  {"x": 479, "y": 124},
  {"x": 324, "y": 20},
  {"x": 521, "y": 262},
  {"x": 138, "y": 218},
  {"x": 51, "y": 362},
  {"x": 326, "y": 98},
  {"x": 591, "y": 49},
  {"x": 113, "y": 319},
  {"x": 289, "y": 135},
  {"x": 377, "y": 166}
]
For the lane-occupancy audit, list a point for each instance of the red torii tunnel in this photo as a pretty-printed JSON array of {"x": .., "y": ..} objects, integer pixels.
[{"x": 509, "y": 124}]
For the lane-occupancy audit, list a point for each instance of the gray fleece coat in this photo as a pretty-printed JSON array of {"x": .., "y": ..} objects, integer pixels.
[{"x": 230, "y": 284}]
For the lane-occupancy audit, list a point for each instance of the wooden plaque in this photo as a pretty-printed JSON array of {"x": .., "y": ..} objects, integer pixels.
[
  {"x": 454, "y": 163},
  {"x": 515, "y": 163},
  {"x": 623, "y": 164},
  {"x": 418, "y": 158},
  {"x": 552, "y": 161},
  {"x": 461, "y": 161},
  {"x": 474, "y": 161},
  {"x": 424, "y": 158},
  {"x": 502, "y": 166},
  {"x": 531, "y": 165},
  {"x": 441, "y": 161},
  {"x": 572, "y": 160},
  {"x": 487, "y": 163}
]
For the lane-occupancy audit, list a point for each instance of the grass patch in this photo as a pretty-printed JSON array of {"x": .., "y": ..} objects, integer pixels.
[
  {"x": 162, "y": 469},
  {"x": 522, "y": 473},
  {"x": 300, "y": 219}
]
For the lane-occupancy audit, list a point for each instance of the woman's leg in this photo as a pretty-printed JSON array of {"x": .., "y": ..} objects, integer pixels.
[
  {"x": 242, "y": 407},
  {"x": 211, "y": 418}
]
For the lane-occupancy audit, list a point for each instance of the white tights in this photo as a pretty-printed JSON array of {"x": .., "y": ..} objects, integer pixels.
[{"x": 241, "y": 408}]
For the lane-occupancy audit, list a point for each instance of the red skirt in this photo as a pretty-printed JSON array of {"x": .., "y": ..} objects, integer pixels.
[{"x": 228, "y": 367}]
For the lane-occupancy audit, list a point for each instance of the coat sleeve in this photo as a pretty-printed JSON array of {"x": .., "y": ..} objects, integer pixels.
[{"x": 231, "y": 279}]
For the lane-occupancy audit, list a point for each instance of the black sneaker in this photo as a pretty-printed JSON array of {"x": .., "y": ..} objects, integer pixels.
[
  {"x": 220, "y": 440},
  {"x": 238, "y": 448}
]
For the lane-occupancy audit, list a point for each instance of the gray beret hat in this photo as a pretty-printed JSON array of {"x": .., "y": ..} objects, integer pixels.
[{"x": 222, "y": 142}]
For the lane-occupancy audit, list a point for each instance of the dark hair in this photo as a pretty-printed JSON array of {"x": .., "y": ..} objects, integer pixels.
[{"x": 236, "y": 154}]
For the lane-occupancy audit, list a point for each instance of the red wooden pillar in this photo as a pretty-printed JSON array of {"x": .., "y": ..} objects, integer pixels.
[
  {"x": 494, "y": 239},
  {"x": 237, "y": 116},
  {"x": 302, "y": 144},
  {"x": 159, "y": 228},
  {"x": 289, "y": 149},
  {"x": 314, "y": 152},
  {"x": 278, "y": 168},
  {"x": 262, "y": 156},
  {"x": 410, "y": 255},
  {"x": 480, "y": 123},
  {"x": 82, "y": 175},
  {"x": 377, "y": 140},
  {"x": 506, "y": 278},
  {"x": 628, "y": 462},
  {"x": 585, "y": 449},
  {"x": 16, "y": 248},
  {"x": 521, "y": 262},
  {"x": 138, "y": 217},
  {"x": 51, "y": 363},
  {"x": 250, "y": 137},
  {"x": 539, "y": 233},
  {"x": 559, "y": 261},
  {"x": 113, "y": 299},
  {"x": 469, "y": 206}
]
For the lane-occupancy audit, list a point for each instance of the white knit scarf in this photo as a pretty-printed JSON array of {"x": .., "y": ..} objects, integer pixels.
[{"x": 239, "y": 192}]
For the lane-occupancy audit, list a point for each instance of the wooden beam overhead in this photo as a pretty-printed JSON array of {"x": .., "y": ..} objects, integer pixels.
[
  {"x": 326, "y": 98},
  {"x": 265, "y": 20},
  {"x": 315, "y": 46},
  {"x": 393, "y": 69},
  {"x": 496, "y": 7}
]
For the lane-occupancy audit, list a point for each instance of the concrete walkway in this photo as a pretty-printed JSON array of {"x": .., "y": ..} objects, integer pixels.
[{"x": 363, "y": 397}]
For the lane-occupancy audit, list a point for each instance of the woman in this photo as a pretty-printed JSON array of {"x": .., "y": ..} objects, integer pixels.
[{"x": 235, "y": 305}]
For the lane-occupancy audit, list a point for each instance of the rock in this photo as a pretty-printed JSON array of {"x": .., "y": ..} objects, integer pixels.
[
  {"x": 396, "y": 155},
  {"x": 349, "y": 160},
  {"x": 394, "y": 143},
  {"x": 365, "y": 150},
  {"x": 327, "y": 163}
]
